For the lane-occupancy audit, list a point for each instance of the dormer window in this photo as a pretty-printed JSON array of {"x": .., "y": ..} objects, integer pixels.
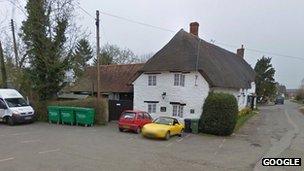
[
  {"x": 179, "y": 80},
  {"x": 151, "y": 80}
]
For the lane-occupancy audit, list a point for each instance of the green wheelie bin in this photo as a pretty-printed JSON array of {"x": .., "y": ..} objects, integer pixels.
[
  {"x": 195, "y": 126},
  {"x": 54, "y": 114},
  {"x": 67, "y": 115},
  {"x": 85, "y": 116}
]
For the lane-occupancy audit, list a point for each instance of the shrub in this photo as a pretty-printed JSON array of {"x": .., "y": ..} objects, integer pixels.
[
  {"x": 40, "y": 108},
  {"x": 300, "y": 95},
  {"x": 245, "y": 111},
  {"x": 220, "y": 112}
]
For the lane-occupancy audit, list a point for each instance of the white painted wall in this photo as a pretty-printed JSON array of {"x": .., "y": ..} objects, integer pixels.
[
  {"x": 193, "y": 94},
  {"x": 241, "y": 95}
]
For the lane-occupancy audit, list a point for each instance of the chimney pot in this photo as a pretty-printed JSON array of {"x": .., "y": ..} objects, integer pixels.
[
  {"x": 240, "y": 52},
  {"x": 194, "y": 28}
]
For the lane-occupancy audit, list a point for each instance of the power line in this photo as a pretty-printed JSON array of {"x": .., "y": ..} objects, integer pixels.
[
  {"x": 168, "y": 30},
  {"x": 137, "y": 22},
  {"x": 85, "y": 11},
  {"x": 126, "y": 19},
  {"x": 259, "y": 51},
  {"x": 18, "y": 7}
]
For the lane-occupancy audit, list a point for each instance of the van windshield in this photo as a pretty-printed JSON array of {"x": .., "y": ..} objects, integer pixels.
[{"x": 16, "y": 102}]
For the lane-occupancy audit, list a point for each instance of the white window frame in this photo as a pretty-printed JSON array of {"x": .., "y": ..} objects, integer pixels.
[
  {"x": 175, "y": 110},
  {"x": 182, "y": 80},
  {"x": 176, "y": 79},
  {"x": 179, "y": 80},
  {"x": 178, "y": 110},
  {"x": 151, "y": 107},
  {"x": 181, "y": 111},
  {"x": 151, "y": 80}
]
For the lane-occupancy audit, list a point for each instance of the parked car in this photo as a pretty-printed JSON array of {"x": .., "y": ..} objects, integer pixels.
[
  {"x": 14, "y": 108},
  {"x": 163, "y": 127},
  {"x": 279, "y": 100},
  {"x": 133, "y": 120}
]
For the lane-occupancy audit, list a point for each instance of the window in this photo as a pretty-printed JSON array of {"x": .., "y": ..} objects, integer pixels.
[
  {"x": 147, "y": 116},
  {"x": 192, "y": 111},
  {"x": 181, "y": 111},
  {"x": 128, "y": 115},
  {"x": 176, "y": 79},
  {"x": 152, "y": 80},
  {"x": 175, "y": 107},
  {"x": 152, "y": 107},
  {"x": 182, "y": 80},
  {"x": 16, "y": 102},
  {"x": 178, "y": 110},
  {"x": 179, "y": 80},
  {"x": 163, "y": 109},
  {"x": 140, "y": 116}
]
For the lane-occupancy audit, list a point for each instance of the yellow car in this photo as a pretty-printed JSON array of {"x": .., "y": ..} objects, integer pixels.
[{"x": 163, "y": 127}]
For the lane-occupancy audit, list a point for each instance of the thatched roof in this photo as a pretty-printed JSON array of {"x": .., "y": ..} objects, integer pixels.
[
  {"x": 113, "y": 78},
  {"x": 220, "y": 67}
]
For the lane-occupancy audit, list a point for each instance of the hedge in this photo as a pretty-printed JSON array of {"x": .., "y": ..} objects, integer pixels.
[
  {"x": 100, "y": 118},
  {"x": 220, "y": 112}
]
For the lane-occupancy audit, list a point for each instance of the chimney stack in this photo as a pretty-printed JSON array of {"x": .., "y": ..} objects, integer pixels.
[
  {"x": 194, "y": 28},
  {"x": 240, "y": 52}
]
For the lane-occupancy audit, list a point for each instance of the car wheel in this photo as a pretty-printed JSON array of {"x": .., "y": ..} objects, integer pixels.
[
  {"x": 181, "y": 133},
  {"x": 120, "y": 129},
  {"x": 10, "y": 121},
  {"x": 138, "y": 130},
  {"x": 167, "y": 136}
]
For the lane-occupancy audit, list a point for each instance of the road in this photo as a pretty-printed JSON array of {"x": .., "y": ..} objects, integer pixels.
[{"x": 278, "y": 131}]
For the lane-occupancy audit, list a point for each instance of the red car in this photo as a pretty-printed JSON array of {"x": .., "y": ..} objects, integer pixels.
[{"x": 133, "y": 120}]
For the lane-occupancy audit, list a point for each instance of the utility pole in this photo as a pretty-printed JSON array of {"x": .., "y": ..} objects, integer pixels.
[
  {"x": 98, "y": 62},
  {"x": 14, "y": 41}
]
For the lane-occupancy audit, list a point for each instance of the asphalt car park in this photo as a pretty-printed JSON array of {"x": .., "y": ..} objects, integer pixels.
[{"x": 43, "y": 146}]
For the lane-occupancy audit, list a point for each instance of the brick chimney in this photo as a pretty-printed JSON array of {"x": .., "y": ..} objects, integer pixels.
[
  {"x": 240, "y": 52},
  {"x": 194, "y": 28}
]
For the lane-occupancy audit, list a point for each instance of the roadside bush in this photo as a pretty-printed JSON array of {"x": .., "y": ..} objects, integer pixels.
[
  {"x": 100, "y": 117},
  {"x": 300, "y": 95},
  {"x": 245, "y": 111},
  {"x": 220, "y": 112},
  {"x": 40, "y": 108}
]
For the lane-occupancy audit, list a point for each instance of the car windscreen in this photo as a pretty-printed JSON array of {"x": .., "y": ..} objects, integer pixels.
[
  {"x": 128, "y": 115},
  {"x": 16, "y": 102},
  {"x": 164, "y": 121}
]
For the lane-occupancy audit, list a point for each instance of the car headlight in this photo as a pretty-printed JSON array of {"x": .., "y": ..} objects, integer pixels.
[{"x": 16, "y": 114}]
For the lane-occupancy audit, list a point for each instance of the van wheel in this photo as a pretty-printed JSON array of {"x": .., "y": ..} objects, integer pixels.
[
  {"x": 120, "y": 130},
  {"x": 10, "y": 121}
]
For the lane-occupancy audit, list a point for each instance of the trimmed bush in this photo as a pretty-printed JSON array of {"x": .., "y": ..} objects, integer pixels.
[{"x": 220, "y": 112}]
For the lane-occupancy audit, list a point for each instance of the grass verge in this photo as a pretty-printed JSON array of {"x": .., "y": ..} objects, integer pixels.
[{"x": 242, "y": 120}]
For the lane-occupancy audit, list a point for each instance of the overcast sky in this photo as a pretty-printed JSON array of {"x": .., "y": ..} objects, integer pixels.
[{"x": 275, "y": 26}]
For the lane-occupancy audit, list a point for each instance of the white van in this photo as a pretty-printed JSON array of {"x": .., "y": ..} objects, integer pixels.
[{"x": 14, "y": 108}]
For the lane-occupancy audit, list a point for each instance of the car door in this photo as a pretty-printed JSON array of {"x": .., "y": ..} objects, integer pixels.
[
  {"x": 140, "y": 119},
  {"x": 3, "y": 107},
  {"x": 148, "y": 118},
  {"x": 175, "y": 127}
]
